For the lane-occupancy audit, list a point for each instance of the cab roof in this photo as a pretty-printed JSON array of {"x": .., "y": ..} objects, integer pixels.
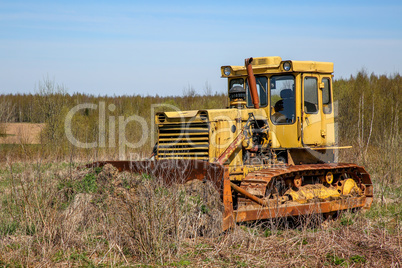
[{"x": 266, "y": 65}]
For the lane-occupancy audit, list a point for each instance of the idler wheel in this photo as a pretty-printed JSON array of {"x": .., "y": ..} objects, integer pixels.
[{"x": 329, "y": 178}]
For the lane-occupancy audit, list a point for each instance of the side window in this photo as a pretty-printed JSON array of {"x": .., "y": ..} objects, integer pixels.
[
  {"x": 262, "y": 90},
  {"x": 282, "y": 95},
  {"x": 310, "y": 95},
  {"x": 261, "y": 82},
  {"x": 326, "y": 96}
]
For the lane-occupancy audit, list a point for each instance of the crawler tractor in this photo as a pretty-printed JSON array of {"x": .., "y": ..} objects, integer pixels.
[{"x": 271, "y": 153}]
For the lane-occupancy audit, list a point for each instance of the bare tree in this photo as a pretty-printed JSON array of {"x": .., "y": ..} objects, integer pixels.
[
  {"x": 7, "y": 114},
  {"x": 49, "y": 102},
  {"x": 189, "y": 91},
  {"x": 207, "y": 89}
]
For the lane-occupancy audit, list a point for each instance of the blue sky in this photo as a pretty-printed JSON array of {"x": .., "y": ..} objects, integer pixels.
[{"x": 129, "y": 47}]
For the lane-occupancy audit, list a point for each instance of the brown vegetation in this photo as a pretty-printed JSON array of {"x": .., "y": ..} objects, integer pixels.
[{"x": 56, "y": 215}]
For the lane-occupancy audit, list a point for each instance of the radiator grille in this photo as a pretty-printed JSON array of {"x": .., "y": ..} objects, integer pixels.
[{"x": 184, "y": 141}]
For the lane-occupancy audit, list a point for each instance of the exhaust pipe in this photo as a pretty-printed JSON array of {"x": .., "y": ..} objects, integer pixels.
[{"x": 252, "y": 84}]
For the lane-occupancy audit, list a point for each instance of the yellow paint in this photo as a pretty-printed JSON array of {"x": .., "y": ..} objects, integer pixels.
[
  {"x": 263, "y": 65},
  {"x": 329, "y": 178},
  {"x": 350, "y": 187},
  {"x": 313, "y": 130},
  {"x": 310, "y": 192}
]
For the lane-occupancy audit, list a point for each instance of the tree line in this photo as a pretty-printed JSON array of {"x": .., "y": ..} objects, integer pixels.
[
  {"x": 51, "y": 104},
  {"x": 368, "y": 112}
]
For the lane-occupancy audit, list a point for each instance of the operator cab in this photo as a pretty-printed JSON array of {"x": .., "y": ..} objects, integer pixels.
[{"x": 296, "y": 96}]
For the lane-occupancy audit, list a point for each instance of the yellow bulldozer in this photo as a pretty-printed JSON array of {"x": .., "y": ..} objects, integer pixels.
[{"x": 271, "y": 153}]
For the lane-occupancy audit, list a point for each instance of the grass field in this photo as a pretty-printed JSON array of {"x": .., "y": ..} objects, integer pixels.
[{"x": 52, "y": 214}]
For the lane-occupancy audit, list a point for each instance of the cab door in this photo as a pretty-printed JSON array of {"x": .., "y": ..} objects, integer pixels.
[
  {"x": 311, "y": 110},
  {"x": 327, "y": 112},
  {"x": 283, "y": 110}
]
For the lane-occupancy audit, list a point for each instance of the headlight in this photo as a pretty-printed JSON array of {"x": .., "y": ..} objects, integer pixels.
[
  {"x": 286, "y": 66},
  {"x": 227, "y": 71}
]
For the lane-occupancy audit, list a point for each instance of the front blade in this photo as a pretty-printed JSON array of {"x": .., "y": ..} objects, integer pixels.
[{"x": 171, "y": 171}]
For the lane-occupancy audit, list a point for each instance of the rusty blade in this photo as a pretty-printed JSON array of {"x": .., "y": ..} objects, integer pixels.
[
  {"x": 298, "y": 209},
  {"x": 171, "y": 171}
]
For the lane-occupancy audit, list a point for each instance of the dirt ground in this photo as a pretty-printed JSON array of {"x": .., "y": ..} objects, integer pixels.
[{"x": 21, "y": 133}]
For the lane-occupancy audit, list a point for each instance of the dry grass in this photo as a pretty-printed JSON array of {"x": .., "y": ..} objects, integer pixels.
[{"x": 56, "y": 215}]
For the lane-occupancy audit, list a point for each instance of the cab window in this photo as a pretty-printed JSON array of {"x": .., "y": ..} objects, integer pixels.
[
  {"x": 326, "y": 96},
  {"x": 282, "y": 99},
  {"x": 310, "y": 95}
]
